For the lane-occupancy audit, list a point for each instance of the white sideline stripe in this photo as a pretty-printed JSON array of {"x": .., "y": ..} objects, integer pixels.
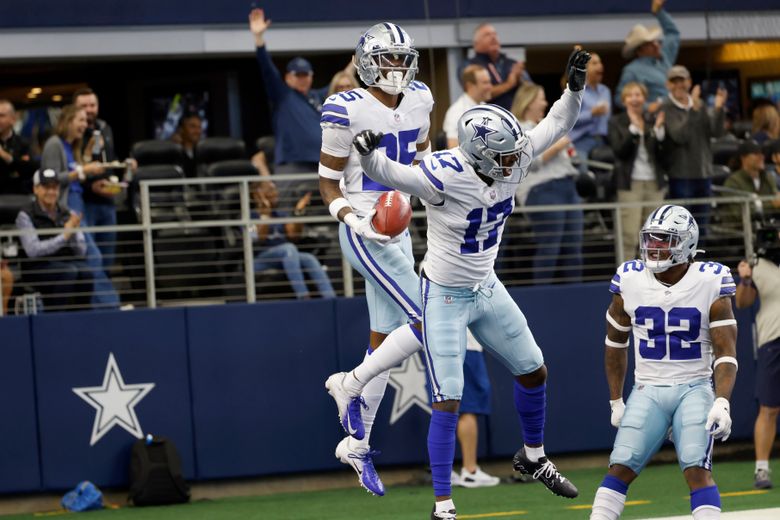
[{"x": 755, "y": 514}]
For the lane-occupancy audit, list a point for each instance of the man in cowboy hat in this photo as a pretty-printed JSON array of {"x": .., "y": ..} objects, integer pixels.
[{"x": 652, "y": 51}]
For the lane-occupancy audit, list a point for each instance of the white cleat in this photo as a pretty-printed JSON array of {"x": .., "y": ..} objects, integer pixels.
[
  {"x": 361, "y": 461},
  {"x": 477, "y": 479},
  {"x": 348, "y": 406}
]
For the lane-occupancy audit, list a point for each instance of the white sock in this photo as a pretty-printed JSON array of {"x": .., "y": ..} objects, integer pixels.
[
  {"x": 534, "y": 454},
  {"x": 608, "y": 504},
  {"x": 372, "y": 394},
  {"x": 706, "y": 513},
  {"x": 397, "y": 346},
  {"x": 762, "y": 464},
  {"x": 445, "y": 505}
]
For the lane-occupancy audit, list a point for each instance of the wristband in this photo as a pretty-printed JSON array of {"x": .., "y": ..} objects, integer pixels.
[
  {"x": 612, "y": 321},
  {"x": 615, "y": 344},
  {"x": 613, "y": 402},
  {"x": 337, "y": 205},
  {"x": 725, "y": 359},
  {"x": 329, "y": 173}
]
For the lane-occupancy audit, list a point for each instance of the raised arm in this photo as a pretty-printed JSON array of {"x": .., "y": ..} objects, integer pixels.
[
  {"x": 564, "y": 112},
  {"x": 414, "y": 180}
]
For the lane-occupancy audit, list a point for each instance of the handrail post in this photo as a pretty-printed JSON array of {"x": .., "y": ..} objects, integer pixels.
[
  {"x": 249, "y": 264},
  {"x": 146, "y": 220}
]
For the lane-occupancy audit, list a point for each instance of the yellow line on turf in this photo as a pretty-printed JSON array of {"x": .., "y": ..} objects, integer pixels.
[
  {"x": 628, "y": 503},
  {"x": 494, "y": 515}
]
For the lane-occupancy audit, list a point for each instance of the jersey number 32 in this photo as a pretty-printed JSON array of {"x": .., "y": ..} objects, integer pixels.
[{"x": 668, "y": 332}]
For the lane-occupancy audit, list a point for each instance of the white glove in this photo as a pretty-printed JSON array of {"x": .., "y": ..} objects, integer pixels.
[
  {"x": 363, "y": 227},
  {"x": 720, "y": 419},
  {"x": 618, "y": 409}
]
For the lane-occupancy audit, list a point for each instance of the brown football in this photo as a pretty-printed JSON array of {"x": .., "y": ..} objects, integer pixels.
[{"x": 393, "y": 213}]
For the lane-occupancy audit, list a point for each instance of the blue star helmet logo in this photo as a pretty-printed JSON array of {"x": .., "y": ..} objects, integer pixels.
[{"x": 482, "y": 131}]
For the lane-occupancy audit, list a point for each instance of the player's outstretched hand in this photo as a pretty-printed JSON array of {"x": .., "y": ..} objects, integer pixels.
[
  {"x": 719, "y": 419},
  {"x": 363, "y": 227},
  {"x": 618, "y": 409},
  {"x": 576, "y": 69},
  {"x": 367, "y": 141}
]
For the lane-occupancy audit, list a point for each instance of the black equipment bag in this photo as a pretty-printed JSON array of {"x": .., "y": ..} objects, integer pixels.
[{"x": 155, "y": 473}]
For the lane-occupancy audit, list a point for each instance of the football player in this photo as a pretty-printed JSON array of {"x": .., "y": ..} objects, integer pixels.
[
  {"x": 679, "y": 311},
  {"x": 400, "y": 107},
  {"x": 468, "y": 193}
]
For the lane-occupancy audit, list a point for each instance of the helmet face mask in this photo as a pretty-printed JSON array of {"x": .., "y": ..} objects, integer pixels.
[
  {"x": 492, "y": 141},
  {"x": 385, "y": 57},
  {"x": 669, "y": 237}
]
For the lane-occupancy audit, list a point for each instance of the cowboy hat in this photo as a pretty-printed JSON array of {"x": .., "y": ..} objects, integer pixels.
[{"x": 640, "y": 34}]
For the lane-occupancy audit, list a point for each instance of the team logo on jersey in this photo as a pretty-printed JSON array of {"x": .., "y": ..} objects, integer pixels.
[
  {"x": 114, "y": 402},
  {"x": 409, "y": 383},
  {"x": 482, "y": 131}
]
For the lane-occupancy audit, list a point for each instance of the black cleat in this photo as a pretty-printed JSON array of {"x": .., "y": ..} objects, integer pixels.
[
  {"x": 444, "y": 515},
  {"x": 545, "y": 472}
]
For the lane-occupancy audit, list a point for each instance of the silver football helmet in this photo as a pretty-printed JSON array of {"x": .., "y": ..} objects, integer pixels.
[
  {"x": 385, "y": 57},
  {"x": 492, "y": 141},
  {"x": 669, "y": 237}
]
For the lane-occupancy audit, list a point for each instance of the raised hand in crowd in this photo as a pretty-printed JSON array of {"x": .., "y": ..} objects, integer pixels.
[
  {"x": 302, "y": 204},
  {"x": 516, "y": 74},
  {"x": 660, "y": 119},
  {"x": 657, "y": 5},
  {"x": 721, "y": 96},
  {"x": 696, "y": 97},
  {"x": 636, "y": 117},
  {"x": 258, "y": 24},
  {"x": 72, "y": 224}
]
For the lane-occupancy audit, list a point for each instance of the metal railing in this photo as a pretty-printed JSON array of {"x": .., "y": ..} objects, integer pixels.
[{"x": 194, "y": 244}]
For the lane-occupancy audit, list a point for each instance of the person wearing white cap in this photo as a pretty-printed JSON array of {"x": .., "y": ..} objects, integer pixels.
[{"x": 653, "y": 51}]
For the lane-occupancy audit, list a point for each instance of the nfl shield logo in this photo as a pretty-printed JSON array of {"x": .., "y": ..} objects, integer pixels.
[
  {"x": 397, "y": 118},
  {"x": 448, "y": 299}
]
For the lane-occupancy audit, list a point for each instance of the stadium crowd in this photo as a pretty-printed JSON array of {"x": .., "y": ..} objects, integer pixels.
[{"x": 661, "y": 136}]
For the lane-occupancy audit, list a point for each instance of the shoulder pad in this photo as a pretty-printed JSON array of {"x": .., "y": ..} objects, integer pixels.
[
  {"x": 335, "y": 110},
  {"x": 718, "y": 274},
  {"x": 624, "y": 271}
]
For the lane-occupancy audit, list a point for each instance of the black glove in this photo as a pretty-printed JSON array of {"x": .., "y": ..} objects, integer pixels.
[
  {"x": 576, "y": 69},
  {"x": 367, "y": 141}
]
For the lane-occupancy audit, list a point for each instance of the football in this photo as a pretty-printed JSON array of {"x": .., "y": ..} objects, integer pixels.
[{"x": 393, "y": 213}]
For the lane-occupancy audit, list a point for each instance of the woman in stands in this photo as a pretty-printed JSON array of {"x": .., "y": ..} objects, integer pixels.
[{"x": 766, "y": 123}]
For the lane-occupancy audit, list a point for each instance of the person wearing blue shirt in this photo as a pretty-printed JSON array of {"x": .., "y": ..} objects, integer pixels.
[
  {"x": 654, "y": 51},
  {"x": 590, "y": 130},
  {"x": 295, "y": 105}
]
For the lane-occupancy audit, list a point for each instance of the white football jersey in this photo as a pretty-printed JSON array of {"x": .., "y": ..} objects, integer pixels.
[
  {"x": 671, "y": 325},
  {"x": 464, "y": 231},
  {"x": 346, "y": 114}
]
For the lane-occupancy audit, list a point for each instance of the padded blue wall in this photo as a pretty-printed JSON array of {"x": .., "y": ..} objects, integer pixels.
[{"x": 239, "y": 388}]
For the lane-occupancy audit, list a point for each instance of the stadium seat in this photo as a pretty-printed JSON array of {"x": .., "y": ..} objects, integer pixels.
[
  {"x": 742, "y": 129},
  {"x": 720, "y": 173},
  {"x": 153, "y": 152},
  {"x": 166, "y": 201},
  {"x": 232, "y": 168},
  {"x": 10, "y": 206},
  {"x": 723, "y": 150},
  {"x": 214, "y": 149}
]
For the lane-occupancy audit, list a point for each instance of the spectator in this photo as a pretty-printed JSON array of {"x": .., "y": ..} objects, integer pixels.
[
  {"x": 653, "y": 51},
  {"x": 773, "y": 150},
  {"x": 550, "y": 181},
  {"x": 276, "y": 242},
  {"x": 689, "y": 129},
  {"x": 590, "y": 130},
  {"x": 295, "y": 105},
  {"x": 476, "y": 81},
  {"x": 637, "y": 144},
  {"x": 188, "y": 135},
  {"x": 763, "y": 279},
  {"x": 342, "y": 81},
  {"x": 506, "y": 74},
  {"x": 8, "y": 284},
  {"x": 16, "y": 169},
  {"x": 751, "y": 179},
  {"x": 63, "y": 154},
  {"x": 766, "y": 123},
  {"x": 99, "y": 191},
  {"x": 59, "y": 270}
]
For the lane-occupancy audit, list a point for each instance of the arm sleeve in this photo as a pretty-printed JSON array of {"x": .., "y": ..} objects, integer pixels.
[
  {"x": 414, "y": 180},
  {"x": 274, "y": 86},
  {"x": 336, "y": 141},
  {"x": 558, "y": 122},
  {"x": 671, "y": 45},
  {"x": 34, "y": 246},
  {"x": 51, "y": 157}
]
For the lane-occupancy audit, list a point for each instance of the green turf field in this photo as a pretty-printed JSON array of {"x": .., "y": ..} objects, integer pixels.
[{"x": 660, "y": 491}]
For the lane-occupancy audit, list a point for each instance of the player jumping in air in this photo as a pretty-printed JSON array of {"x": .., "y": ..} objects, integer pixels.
[{"x": 468, "y": 193}]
